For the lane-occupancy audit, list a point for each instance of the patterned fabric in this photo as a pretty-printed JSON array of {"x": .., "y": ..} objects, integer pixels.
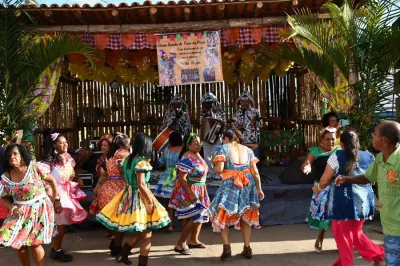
[
  {"x": 245, "y": 37},
  {"x": 37, "y": 224},
  {"x": 178, "y": 120},
  {"x": 115, "y": 43},
  {"x": 115, "y": 182},
  {"x": 392, "y": 250},
  {"x": 89, "y": 38},
  {"x": 246, "y": 120},
  {"x": 351, "y": 201},
  {"x": 101, "y": 175},
  {"x": 216, "y": 110},
  {"x": 235, "y": 199},
  {"x": 167, "y": 178},
  {"x": 318, "y": 201},
  {"x": 127, "y": 210},
  {"x": 140, "y": 42},
  {"x": 277, "y": 138},
  {"x": 69, "y": 192},
  {"x": 180, "y": 199},
  {"x": 195, "y": 167}
]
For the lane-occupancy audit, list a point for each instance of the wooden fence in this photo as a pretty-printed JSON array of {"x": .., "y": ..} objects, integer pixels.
[{"x": 86, "y": 110}]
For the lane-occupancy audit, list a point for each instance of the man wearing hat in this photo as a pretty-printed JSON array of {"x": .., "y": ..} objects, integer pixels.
[
  {"x": 212, "y": 123},
  {"x": 248, "y": 120},
  {"x": 177, "y": 117}
]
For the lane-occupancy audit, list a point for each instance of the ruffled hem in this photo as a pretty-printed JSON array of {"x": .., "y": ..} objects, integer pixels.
[
  {"x": 199, "y": 213},
  {"x": 136, "y": 219},
  {"x": 219, "y": 158},
  {"x": 163, "y": 191},
  {"x": 222, "y": 219}
]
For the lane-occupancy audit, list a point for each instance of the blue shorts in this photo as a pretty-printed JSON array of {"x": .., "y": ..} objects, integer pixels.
[{"x": 392, "y": 250}]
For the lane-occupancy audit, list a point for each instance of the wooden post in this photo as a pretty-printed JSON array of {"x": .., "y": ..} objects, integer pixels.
[
  {"x": 114, "y": 13},
  {"x": 153, "y": 14},
  {"x": 221, "y": 11},
  {"x": 258, "y": 9},
  {"x": 186, "y": 11}
]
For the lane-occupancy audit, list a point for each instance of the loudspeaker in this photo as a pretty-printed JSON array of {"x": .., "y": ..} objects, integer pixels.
[{"x": 293, "y": 175}]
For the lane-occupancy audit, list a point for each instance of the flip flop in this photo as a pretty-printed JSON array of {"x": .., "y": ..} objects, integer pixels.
[
  {"x": 184, "y": 251},
  {"x": 200, "y": 245}
]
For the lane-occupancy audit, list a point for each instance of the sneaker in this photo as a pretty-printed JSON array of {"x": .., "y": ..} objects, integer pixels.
[{"x": 61, "y": 256}]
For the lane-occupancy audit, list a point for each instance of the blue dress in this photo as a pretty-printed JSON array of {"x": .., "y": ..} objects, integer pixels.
[{"x": 167, "y": 178}]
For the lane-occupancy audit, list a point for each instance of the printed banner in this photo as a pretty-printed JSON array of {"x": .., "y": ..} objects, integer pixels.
[{"x": 187, "y": 58}]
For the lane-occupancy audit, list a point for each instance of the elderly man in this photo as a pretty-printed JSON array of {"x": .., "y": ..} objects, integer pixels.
[{"x": 385, "y": 171}]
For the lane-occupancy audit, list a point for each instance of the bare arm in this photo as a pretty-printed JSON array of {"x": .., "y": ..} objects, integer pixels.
[
  {"x": 53, "y": 184},
  {"x": 326, "y": 177},
  {"x": 257, "y": 180},
  {"x": 359, "y": 179},
  {"x": 219, "y": 167},
  {"x": 182, "y": 176},
  {"x": 142, "y": 186},
  {"x": 7, "y": 202}
]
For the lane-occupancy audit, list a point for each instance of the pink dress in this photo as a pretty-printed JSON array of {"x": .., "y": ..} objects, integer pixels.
[
  {"x": 70, "y": 194},
  {"x": 3, "y": 211}
]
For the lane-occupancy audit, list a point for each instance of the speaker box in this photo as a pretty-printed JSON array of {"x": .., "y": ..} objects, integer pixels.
[{"x": 293, "y": 175}]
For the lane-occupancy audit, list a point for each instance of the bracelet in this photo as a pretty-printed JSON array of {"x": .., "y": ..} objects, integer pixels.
[
  {"x": 319, "y": 187},
  {"x": 13, "y": 208}
]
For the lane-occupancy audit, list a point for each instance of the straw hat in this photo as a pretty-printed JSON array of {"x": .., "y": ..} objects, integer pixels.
[{"x": 107, "y": 137}]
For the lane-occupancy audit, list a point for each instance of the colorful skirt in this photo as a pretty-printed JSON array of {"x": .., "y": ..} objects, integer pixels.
[
  {"x": 108, "y": 191},
  {"x": 73, "y": 213},
  {"x": 166, "y": 183},
  {"x": 317, "y": 209},
  {"x": 180, "y": 201},
  {"x": 127, "y": 213},
  {"x": 232, "y": 204},
  {"x": 35, "y": 227}
]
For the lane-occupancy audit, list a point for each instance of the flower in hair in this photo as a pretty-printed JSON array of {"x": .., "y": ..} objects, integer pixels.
[
  {"x": 54, "y": 136},
  {"x": 328, "y": 129}
]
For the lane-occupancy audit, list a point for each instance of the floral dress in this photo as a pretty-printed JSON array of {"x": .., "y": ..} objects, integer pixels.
[
  {"x": 102, "y": 175},
  {"x": 127, "y": 212},
  {"x": 167, "y": 178},
  {"x": 115, "y": 182},
  {"x": 180, "y": 200},
  {"x": 70, "y": 193},
  {"x": 37, "y": 224},
  {"x": 237, "y": 197}
]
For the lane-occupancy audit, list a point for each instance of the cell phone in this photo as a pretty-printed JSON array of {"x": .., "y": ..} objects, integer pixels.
[{"x": 345, "y": 122}]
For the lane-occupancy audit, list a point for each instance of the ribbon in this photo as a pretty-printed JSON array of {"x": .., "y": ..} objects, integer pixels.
[
  {"x": 239, "y": 177},
  {"x": 171, "y": 177}
]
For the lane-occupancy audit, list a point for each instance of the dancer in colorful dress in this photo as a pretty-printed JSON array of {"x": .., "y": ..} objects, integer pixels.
[
  {"x": 135, "y": 210},
  {"x": 236, "y": 202},
  {"x": 166, "y": 184},
  {"x": 62, "y": 168},
  {"x": 31, "y": 222},
  {"x": 348, "y": 206},
  {"x": 315, "y": 162},
  {"x": 101, "y": 169},
  {"x": 115, "y": 183},
  {"x": 190, "y": 198}
]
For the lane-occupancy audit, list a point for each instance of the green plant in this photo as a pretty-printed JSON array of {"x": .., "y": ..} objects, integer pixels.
[
  {"x": 351, "y": 53},
  {"x": 25, "y": 54}
]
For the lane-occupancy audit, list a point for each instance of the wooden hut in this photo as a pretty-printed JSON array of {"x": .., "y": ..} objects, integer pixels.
[{"x": 84, "y": 110}]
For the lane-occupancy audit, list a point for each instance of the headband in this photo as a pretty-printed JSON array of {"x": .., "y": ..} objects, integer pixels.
[
  {"x": 328, "y": 129},
  {"x": 54, "y": 136},
  {"x": 191, "y": 135}
]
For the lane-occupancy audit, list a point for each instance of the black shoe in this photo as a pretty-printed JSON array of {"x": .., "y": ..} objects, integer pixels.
[
  {"x": 112, "y": 244},
  {"x": 62, "y": 256},
  {"x": 115, "y": 251}
]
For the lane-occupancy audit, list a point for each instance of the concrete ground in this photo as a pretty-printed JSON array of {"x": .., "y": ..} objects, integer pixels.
[{"x": 276, "y": 246}]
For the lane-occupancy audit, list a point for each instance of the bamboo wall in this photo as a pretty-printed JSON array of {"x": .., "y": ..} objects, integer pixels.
[{"x": 86, "y": 110}]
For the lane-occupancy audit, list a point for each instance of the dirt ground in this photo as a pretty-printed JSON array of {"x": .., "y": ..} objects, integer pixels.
[{"x": 276, "y": 246}]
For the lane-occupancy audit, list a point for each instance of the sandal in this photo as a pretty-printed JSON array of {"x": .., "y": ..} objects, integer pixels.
[
  {"x": 183, "y": 251},
  {"x": 199, "y": 245}
]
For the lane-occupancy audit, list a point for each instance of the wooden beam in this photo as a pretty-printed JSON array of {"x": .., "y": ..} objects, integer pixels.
[
  {"x": 186, "y": 11},
  {"x": 114, "y": 13},
  {"x": 78, "y": 15},
  {"x": 153, "y": 14},
  {"x": 221, "y": 11},
  {"x": 169, "y": 27},
  {"x": 258, "y": 9}
]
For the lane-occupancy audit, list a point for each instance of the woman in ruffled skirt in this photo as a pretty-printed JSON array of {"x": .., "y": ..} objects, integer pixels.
[
  {"x": 190, "y": 198},
  {"x": 135, "y": 210},
  {"x": 236, "y": 202},
  {"x": 30, "y": 222}
]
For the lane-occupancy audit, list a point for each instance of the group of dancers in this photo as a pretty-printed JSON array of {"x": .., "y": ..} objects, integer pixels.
[{"x": 43, "y": 197}]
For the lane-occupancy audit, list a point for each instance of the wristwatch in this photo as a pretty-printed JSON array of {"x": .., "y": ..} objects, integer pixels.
[{"x": 57, "y": 198}]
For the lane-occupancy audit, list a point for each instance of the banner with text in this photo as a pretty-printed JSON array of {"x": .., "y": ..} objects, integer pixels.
[{"x": 186, "y": 58}]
